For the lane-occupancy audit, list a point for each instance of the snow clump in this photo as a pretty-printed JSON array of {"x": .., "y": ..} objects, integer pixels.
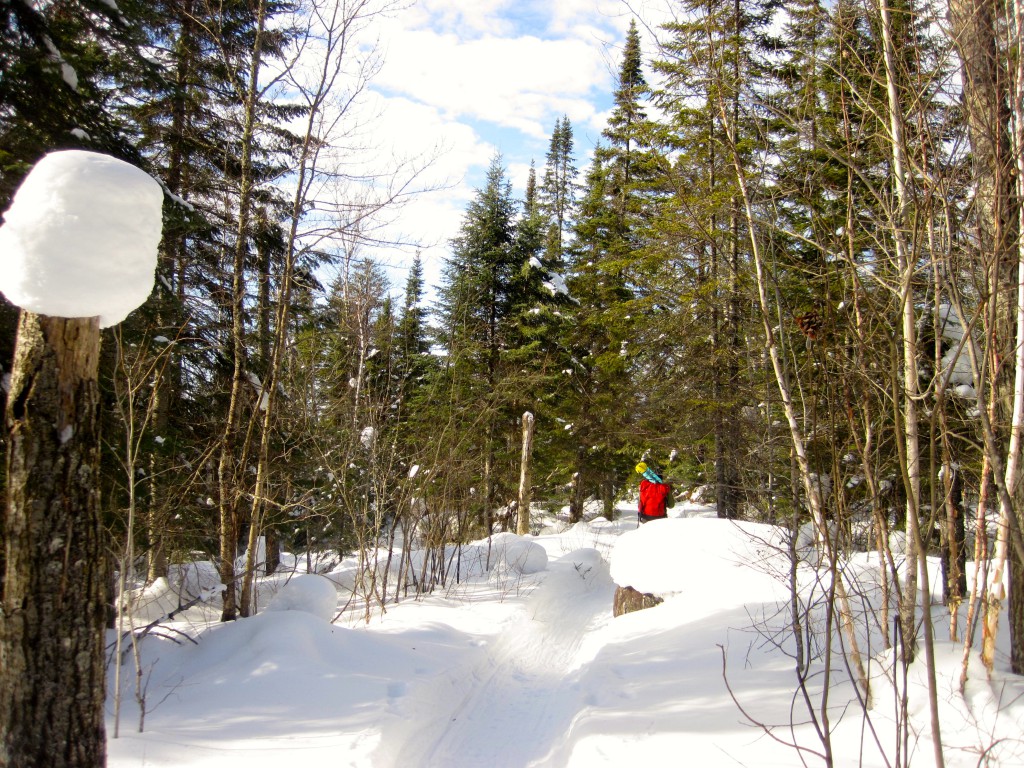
[
  {"x": 516, "y": 554},
  {"x": 80, "y": 238},
  {"x": 308, "y": 593},
  {"x": 662, "y": 556}
]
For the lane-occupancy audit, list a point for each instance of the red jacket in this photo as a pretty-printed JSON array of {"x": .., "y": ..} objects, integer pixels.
[{"x": 652, "y": 499}]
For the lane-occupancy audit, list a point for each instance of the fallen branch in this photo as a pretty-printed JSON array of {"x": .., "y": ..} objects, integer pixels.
[{"x": 140, "y": 633}]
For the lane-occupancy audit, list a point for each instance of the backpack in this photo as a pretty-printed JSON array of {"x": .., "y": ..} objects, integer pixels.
[{"x": 670, "y": 499}]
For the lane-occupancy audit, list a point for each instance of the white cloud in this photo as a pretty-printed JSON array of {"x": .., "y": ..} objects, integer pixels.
[
  {"x": 468, "y": 16},
  {"x": 466, "y": 79},
  {"x": 516, "y": 82}
]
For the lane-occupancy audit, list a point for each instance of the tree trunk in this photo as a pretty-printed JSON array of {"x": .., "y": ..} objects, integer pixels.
[
  {"x": 955, "y": 556},
  {"x": 608, "y": 497},
  {"x": 229, "y": 461},
  {"x": 627, "y": 600},
  {"x": 523, "y": 524},
  {"x": 1016, "y": 613},
  {"x": 916, "y": 579},
  {"x": 986, "y": 101},
  {"x": 576, "y": 492},
  {"x": 52, "y": 681}
]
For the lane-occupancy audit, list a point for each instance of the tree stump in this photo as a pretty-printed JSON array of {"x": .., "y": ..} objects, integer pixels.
[
  {"x": 628, "y": 600},
  {"x": 55, "y": 581}
]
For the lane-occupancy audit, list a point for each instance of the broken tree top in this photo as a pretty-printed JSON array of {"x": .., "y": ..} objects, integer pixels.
[{"x": 80, "y": 238}]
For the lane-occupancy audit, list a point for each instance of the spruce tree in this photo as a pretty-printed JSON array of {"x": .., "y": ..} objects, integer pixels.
[
  {"x": 710, "y": 64},
  {"x": 600, "y": 400},
  {"x": 477, "y": 298},
  {"x": 412, "y": 343},
  {"x": 557, "y": 193},
  {"x": 606, "y": 268}
]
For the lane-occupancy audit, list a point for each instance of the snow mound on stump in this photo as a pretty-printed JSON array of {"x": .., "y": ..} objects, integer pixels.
[
  {"x": 195, "y": 578},
  {"x": 514, "y": 553},
  {"x": 151, "y": 602},
  {"x": 584, "y": 558},
  {"x": 702, "y": 552},
  {"x": 80, "y": 238},
  {"x": 308, "y": 593}
]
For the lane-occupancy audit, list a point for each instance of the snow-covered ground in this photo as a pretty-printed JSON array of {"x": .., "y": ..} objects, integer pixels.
[{"x": 523, "y": 665}]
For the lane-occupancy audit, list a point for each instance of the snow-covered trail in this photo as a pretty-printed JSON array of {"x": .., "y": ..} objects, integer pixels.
[{"x": 516, "y": 700}]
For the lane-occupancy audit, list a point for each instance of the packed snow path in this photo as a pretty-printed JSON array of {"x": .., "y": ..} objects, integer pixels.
[
  {"x": 518, "y": 699},
  {"x": 527, "y": 668}
]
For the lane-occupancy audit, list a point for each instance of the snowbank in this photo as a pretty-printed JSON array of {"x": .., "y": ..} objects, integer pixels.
[
  {"x": 151, "y": 602},
  {"x": 675, "y": 555},
  {"x": 457, "y": 676},
  {"x": 195, "y": 578},
  {"x": 80, "y": 238},
  {"x": 517, "y": 554},
  {"x": 309, "y": 593}
]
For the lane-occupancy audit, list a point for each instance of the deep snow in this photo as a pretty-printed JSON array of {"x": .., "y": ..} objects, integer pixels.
[{"x": 523, "y": 665}]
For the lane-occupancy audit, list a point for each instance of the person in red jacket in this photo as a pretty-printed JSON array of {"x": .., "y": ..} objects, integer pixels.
[{"x": 654, "y": 496}]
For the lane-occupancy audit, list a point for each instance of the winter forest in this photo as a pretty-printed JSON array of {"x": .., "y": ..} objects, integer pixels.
[{"x": 790, "y": 274}]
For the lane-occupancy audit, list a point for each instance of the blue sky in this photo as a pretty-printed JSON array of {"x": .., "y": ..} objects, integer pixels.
[{"x": 463, "y": 79}]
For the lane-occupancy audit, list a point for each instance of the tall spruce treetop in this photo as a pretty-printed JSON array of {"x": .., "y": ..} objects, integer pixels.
[
  {"x": 627, "y": 159},
  {"x": 628, "y": 112},
  {"x": 530, "y": 233},
  {"x": 412, "y": 320},
  {"x": 412, "y": 345},
  {"x": 537, "y": 295},
  {"x": 476, "y": 295},
  {"x": 558, "y": 190}
]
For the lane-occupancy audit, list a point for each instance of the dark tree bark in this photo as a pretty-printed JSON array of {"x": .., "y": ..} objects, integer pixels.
[
  {"x": 52, "y": 682},
  {"x": 627, "y": 600}
]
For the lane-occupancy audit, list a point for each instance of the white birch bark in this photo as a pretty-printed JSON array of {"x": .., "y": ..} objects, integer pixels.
[
  {"x": 523, "y": 522},
  {"x": 807, "y": 478},
  {"x": 916, "y": 560}
]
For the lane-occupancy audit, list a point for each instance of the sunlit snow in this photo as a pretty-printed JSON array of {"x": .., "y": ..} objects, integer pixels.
[{"x": 509, "y": 667}]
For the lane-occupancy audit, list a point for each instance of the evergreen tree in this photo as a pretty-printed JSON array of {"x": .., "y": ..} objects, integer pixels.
[
  {"x": 606, "y": 269},
  {"x": 600, "y": 401},
  {"x": 557, "y": 194},
  {"x": 499, "y": 326},
  {"x": 539, "y": 354},
  {"x": 710, "y": 63},
  {"x": 412, "y": 344},
  {"x": 477, "y": 298},
  {"x": 65, "y": 65}
]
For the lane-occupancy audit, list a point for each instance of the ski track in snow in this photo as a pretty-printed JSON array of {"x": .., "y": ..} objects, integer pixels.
[{"x": 519, "y": 699}]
